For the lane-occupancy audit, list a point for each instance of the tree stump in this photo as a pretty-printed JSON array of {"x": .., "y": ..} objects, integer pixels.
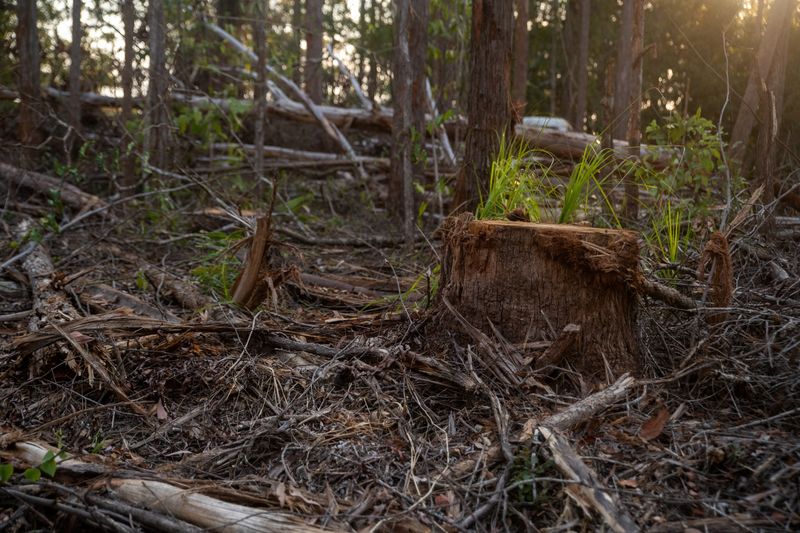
[{"x": 528, "y": 281}]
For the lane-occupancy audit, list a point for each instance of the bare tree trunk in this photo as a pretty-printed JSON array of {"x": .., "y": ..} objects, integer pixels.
[
  {"x": 313, "y": 66},
  {"x": 624, "y": 64},
  {"x": 555, "y": 22},
  {"x": 128, "y": 161},
  {"x": 75, "y": 70},
  {"x": 488, "y": 103},
  {"x": 780, "y": 11},
  {"x": 582, "y": 65},
  {"x": 401, "y": 186},
  {"x": 372, "y": 78},
  {"x": 765, "y": 152},
  {"x": 157, "y": 110},
  {"x": 28, "y": 82},
  {"x": 519, "y": 83},
  {"x": 297, "y": 24},
  {"x": 418, "y": 50},
  {"x": 260, "y": 93},
  {"x": 634, "y": 134},
  {"x": 576, "y": 57}
]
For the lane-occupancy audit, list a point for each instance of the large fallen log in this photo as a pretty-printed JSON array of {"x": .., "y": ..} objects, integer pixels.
[
  {"x": 45, "y": 185},
  {"x": 572, "y": 144},
  {"x": 302, "y": 155},
  {"x": 168, "y": 500}
]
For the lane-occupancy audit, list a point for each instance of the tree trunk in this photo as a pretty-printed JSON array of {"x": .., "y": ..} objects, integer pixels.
[
  {"x": 418, "y": 51},
  {"x": 624, "y": 65},
  {"x": 158, "y": 111},
  {"x": 555, "y": 22},
  {"x": 313, "y": 66},
  {"x": 260, "y": 93},
  {"x": 527, "y": 281},
  {"x": 519, "y": 82},
  {"x": 488, "y": 103},
  {"x": 128, "y": 158},
  {"x": 401, "y": 186},
  {"x": 31, "y": 113},
  {"x": 297, "y": 25},
  {"x": 582, "y": 66},
  {"x": 75, "y": 70},
  {"x": 634, "y": 134},
  {"x": 779, "y": 13}
]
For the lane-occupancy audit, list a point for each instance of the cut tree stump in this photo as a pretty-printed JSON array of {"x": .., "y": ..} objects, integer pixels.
[{"x": 529, "y": 281}]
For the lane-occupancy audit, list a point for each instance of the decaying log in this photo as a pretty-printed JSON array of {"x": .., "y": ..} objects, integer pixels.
[
  {"x": 572, "y": 144},
  {"x": 666, "y": 294},
  {"x": 587, "y": 490},
  {"x": 45, "y": 185},
  {"x": 524, "y": 279},
  {"x": 186, "y": 505}
]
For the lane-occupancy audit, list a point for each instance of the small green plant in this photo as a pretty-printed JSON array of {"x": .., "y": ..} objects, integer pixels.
[
  {"x": 6, "y": 471},
  {"x": 527, "y": 468},
  {"x": 48, "y": 467},
  {"x": 219, "y": 267},
  {"x": 98, "y": 443},
  {"x": 695, "y": 153},
  {"x": 513, "y": 183},
  {"x": 666, "y": 237},
  {"x": 585, "y": 172}
]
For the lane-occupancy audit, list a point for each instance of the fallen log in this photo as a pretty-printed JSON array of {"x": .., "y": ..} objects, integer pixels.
[
  {"x": 572, "y": 144},
  {"x": 167, "y": 499},
  {"x": 45, "y": 185}
]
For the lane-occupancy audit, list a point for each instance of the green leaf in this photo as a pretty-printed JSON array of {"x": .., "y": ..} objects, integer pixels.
[
  {"x": 32, "y": 474},
  {"x": 48, "y": 466},
  {"x": 6, "y": 471}
]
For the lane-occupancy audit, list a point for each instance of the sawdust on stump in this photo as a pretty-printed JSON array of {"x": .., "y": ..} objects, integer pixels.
[{"x": 528, "y": 281}]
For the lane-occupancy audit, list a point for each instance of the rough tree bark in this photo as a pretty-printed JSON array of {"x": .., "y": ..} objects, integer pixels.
[
  {"x": 75, "y": 70},
  {"x": 576, "y": 37},
  {"x": 313, "y": 66},
  {"x": 519, "y": 83},
  {"x": 489, "y": 101},
  {"x": 157, "y": 107},
  {"x": 779, "y": 13},
  {"x": 297, "y": 25},
  {"x": 523, "y": 279},
  {"x": 418, "y": 53},
  {"x": 634, "y": 134},
  {"x": 260, "y": 93},
  {"x": 128, "y": 159},
  {"x": 401, "y": 192},
  {"x": 624, "y": 66},
  {"x": 28, "y": 82}
]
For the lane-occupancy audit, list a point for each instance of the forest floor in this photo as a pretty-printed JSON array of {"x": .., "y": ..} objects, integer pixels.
[{"x": 341, "y": 405}]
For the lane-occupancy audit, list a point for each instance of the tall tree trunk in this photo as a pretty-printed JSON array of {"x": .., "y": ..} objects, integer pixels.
[
  {"x": 401, "y": 186},
  {"x": 418, "y": 50},
  {"x": 157, "y": 109},
  {"x": 779, "y": 13},
  {"x": 555, "y": 22},
  {"x": 519, "y": 83},
  {"x": 375, "y": 15},
  {"x": 634, "y": 134},
  {"x": 75, "y": 70},
  {"x": 28, "y": 82},
  {"x": 582, "y": 65},
  {"x": 297, "y": 24},
  {"x": 128, "y": 161},
  {"x": 313, "y": 66},
  {"x": 489, "y": 101},
  {"x": 624, "y": 65},
  {"x": 260, "y": 93}
]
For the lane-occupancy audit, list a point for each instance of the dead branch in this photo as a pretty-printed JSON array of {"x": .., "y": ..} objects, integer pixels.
[{"x": 46, "y": 185}]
